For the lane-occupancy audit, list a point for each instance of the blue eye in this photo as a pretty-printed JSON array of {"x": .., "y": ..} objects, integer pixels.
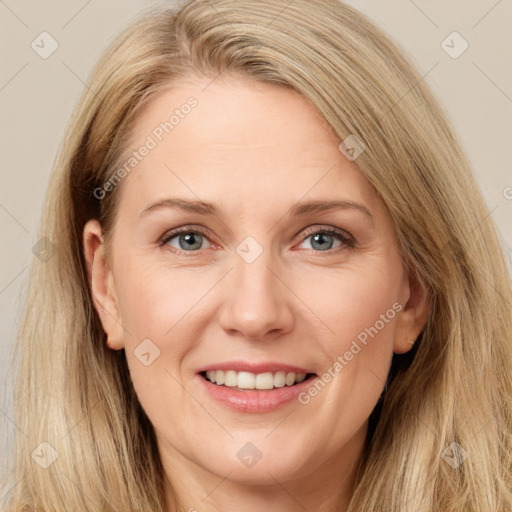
[
  {"x": 322, "y": 240},
  {"x": 187, "y": 240}
]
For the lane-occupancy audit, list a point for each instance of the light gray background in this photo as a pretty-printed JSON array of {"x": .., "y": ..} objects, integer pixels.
[{"x": 37, "y": 96}]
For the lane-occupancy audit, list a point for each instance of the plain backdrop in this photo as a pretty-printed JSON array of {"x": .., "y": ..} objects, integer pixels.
[{"x": 37, "y": 96}]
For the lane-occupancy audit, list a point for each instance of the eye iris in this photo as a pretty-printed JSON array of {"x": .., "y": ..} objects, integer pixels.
[
  {"x": 190, "y": 238},
  {"x": 320, "y": 238}
]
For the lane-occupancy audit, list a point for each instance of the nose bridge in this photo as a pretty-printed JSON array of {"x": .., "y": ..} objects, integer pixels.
[{"x": 256, "y": 302}]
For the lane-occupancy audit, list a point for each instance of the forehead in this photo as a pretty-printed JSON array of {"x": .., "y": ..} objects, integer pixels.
[{"x": 238, "y": 141}]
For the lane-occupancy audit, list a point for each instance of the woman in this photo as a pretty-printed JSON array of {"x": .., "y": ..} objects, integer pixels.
[{"x": 275, "y": 283}]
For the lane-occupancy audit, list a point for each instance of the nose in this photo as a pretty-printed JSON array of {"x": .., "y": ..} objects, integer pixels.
[{"x": 257, "y": 303}]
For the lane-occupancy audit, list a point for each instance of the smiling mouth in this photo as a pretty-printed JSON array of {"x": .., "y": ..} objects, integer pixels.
[{"x": 247, "y": 381}]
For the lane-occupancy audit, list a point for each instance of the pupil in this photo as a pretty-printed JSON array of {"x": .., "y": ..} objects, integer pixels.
[
  {"x": 322, "y": 243},
  {"x": 189, "y": 237}
]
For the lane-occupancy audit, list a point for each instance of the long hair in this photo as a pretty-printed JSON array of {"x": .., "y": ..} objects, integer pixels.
[{"x": 442, "y": 437}]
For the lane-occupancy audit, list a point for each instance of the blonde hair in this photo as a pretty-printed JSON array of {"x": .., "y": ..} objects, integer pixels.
[{"x": 455, "y": 387}]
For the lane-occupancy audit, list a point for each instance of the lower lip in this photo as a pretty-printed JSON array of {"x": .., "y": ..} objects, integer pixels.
[{"x": 254, "y": 400}]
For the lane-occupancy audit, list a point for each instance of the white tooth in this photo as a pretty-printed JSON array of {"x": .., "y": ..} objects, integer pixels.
[
  {"x": 290, "y": 378},
  {"x": 264, "y": 380},
  {"x": 279, "y": 379},
  {"x": 230, "y": 379},
  {"x": 246, "y": 380},
  {"x": 220, "y": 377}
]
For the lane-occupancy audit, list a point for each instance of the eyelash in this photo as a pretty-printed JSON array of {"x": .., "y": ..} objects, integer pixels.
[{"x": 346, "y": 240}]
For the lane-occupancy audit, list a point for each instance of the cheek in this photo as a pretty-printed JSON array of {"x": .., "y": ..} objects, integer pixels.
[
  {"x": 163, "y": 312},
  {"x": 360, "y": 309},
  {"x": 353, "y": 302},
  {"x": 160, "y": 307},
  {"x": 155, "y": 298}
]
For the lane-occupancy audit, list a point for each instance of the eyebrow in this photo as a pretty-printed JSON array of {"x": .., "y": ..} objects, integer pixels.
[{"x": 297, "y": 210}]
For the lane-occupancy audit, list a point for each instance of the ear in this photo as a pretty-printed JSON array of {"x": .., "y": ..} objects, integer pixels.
[
  {"x": 101, "y": 283},
  {"x": 413, "y": 317}
]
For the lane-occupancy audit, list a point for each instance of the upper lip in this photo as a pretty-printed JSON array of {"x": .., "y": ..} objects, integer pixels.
[{"x": 243, "y": 366}]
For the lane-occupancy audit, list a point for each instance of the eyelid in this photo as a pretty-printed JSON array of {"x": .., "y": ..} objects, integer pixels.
[{"x": 346, "y": 238}]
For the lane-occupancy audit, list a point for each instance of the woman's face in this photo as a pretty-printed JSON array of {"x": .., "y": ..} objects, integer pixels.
[{"x": 264, "y": 281}]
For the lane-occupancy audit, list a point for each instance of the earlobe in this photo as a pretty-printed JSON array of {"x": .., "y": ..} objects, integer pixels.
[
  {"x": 413, "y": 318},
  {"x": 101, "y": 283}
]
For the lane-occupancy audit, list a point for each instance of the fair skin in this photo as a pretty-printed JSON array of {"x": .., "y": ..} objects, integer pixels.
[{"x": 254, "y": 150}]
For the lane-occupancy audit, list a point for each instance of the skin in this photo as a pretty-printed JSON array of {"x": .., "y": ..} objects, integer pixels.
[{"x": 254, "y": 150}]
